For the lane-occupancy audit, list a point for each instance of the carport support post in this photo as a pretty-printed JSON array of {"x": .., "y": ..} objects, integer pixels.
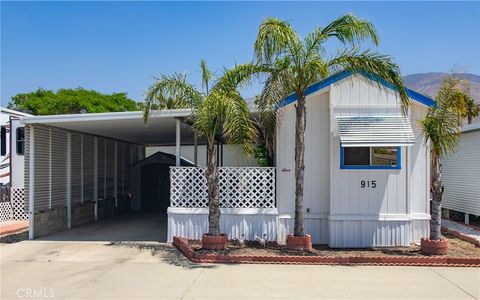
[
  {"x": 69, "y": 180},
  {"x": 31, "y": 186},
  {"x": 177, "y": 142},
  {"x": 115, "y": 177},
  {"x": 95, "y": 178},
  {"x": 195, "y": 147}
]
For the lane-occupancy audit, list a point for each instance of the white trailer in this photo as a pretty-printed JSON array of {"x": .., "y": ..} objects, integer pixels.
[{"x": 12, "y": 164}]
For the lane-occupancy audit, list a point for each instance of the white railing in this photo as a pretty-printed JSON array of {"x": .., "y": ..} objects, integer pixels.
[{"x": 240, "y": 187}]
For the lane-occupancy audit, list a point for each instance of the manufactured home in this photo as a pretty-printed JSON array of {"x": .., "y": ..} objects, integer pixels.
[
  {"x": 461, "y": 174},
  {"x": 366, "y": 170}
]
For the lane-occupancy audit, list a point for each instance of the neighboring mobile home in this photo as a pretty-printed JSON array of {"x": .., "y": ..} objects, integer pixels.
[
  {"x": 461, "y": 174},
  {"x": 366, "y": 175},
  {"x": 12, "y": 165},
  {"x": 12, "y": 147}
]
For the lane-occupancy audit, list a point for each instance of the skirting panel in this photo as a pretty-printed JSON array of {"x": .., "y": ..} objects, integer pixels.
[
  {"x": 359, "y": 234},
  {"x": 236, "y": 225},
  {"x": 420, "y": 228},
  {"x": 317, "y": 227}
]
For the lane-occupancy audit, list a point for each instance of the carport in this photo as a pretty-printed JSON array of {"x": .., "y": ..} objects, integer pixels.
[{"x": 80, "y": 168}]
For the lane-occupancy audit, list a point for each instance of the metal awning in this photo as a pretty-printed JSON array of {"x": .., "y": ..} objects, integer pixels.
[{"x": 374, "y": 131}]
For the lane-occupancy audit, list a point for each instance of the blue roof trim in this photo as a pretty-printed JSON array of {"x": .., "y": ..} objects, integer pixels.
[{"x": 344, "y": 74}]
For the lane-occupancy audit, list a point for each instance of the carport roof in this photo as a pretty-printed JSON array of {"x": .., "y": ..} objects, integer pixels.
[{"x": 125, "y": 126}]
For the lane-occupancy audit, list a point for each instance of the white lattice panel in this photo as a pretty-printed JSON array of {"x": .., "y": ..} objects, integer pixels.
[
  {"x": 188, "y": 187},
  {"x": 5, "y": 211},
  {"x": 242, "y": 187},
  {"x": 18, "y": 204}
]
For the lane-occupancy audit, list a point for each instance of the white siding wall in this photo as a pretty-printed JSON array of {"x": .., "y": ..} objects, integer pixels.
[
  {"x": 461, "y": 175},
  {"x": 350, "y": 204},
  {"x": 418, "y": 181},
  {"x": 317, "y": 166}
]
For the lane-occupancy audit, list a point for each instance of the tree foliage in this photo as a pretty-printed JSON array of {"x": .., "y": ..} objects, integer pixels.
[
  {"x": 290, "y": 64},
  {"x": 441, "y": 131},
  {"x": 71, "y": 101},
  {"x": 218, "y": 112}
]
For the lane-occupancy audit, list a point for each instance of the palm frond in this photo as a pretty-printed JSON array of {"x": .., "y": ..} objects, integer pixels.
[
  {"x": 275, "y": 89},
  {"x": 441, "y": 125},
  {"x": 207, "y": 75},
  {"x": 226, "y": 114},
  {"x": 170, "y": 92},
  {"x": 274, "y": 37},
  {"x": 350, "y": 29},
  {"x": 240, "y": 76}
]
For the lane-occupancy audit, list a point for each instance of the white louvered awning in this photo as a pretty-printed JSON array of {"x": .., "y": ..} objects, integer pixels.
[{"x": 374, "y": 131}]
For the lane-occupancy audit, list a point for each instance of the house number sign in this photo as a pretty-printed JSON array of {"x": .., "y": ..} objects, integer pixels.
[{"x": 368, "y": 184}]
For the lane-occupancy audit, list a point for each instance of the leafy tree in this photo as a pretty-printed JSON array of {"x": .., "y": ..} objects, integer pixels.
[
  {"x": 441, "y": 131},
  {"x": 71, "y": 101},
  {"x": 218, "y": 113},
  {"x": 292, "y": 64}
]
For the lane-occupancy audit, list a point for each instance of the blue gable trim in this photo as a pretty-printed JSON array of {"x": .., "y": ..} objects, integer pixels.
[{"x": 344, "y": 74}]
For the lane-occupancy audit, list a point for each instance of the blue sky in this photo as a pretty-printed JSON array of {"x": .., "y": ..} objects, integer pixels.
[{"x": 119, "y": 46}]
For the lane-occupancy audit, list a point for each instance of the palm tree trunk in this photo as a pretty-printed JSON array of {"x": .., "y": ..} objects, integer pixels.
[
  {"x": 213, "y": 190},
  {"x": 300, "y": 124},
  {"x": 437, "y": 192}
]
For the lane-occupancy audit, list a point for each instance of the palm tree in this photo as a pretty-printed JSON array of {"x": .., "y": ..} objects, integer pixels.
[
  {"x": 441, "y": 131},
  {"x": 292, "y": 64},
  {"x": 472, "y": 108},
  {"x": 218, "y": 112}
]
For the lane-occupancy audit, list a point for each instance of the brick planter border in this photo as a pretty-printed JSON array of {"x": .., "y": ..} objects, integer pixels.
[
  {"x": 462, "y": 236},
  {"x": 440, "y": 261}
]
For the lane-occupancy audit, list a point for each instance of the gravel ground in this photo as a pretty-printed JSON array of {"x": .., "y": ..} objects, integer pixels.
[
  {"x": 456, "y": 248},
  {"x": 468, "y": 231}
]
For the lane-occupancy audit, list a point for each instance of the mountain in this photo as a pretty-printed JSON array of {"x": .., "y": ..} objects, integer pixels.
[{"x": 428, "y": 83}]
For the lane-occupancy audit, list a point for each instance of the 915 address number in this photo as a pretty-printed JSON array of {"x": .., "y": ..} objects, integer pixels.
[{"x": 368, "y": 184}]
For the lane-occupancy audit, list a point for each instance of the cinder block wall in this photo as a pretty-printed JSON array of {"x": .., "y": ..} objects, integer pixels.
[
  {"x": 50, "y": 221},
  {"x": 54, "y": 220}
]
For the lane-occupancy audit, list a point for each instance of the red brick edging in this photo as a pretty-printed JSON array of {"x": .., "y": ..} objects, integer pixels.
[
  {"x": 462, "y": 236},
  {"x": 13, "y": 228},
  {"x": 182, "y": 245}
]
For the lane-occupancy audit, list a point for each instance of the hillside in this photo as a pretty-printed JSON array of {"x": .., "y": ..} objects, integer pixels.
[{"x": 428, "y": 83}]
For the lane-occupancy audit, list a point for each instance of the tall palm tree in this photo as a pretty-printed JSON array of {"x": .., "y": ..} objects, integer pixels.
[
  {"x": 218, "y": 112},
  {"x": 441, "y": 131},
  {"x": 292, "y": 64}
]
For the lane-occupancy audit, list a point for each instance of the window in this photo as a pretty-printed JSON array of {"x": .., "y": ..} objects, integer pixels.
[
  {"x": 20, "y": 140},
  {"x": 4, "y": 141},
  {"x": 370, "y": 158}
]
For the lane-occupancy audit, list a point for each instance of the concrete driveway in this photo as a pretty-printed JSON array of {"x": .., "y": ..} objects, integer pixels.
[
  {"x": 139, "y": 226},
  {"x": 61, "y": 267}
]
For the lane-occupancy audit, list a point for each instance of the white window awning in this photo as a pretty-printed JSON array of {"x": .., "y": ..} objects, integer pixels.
[{"x": 375, "y": 131}]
